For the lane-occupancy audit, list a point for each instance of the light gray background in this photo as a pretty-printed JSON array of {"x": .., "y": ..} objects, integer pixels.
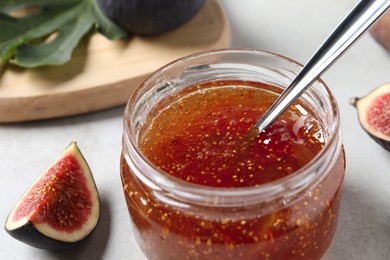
[{"x": 291, "y": 28}]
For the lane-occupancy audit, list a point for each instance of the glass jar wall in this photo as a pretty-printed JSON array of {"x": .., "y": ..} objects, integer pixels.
[{"x": 291, "y": 217}]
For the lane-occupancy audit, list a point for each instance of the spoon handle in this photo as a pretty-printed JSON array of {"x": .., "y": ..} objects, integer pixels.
[{"x": 362, "y": 16}]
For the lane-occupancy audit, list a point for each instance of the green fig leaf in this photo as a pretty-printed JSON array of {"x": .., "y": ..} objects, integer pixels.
[{"x": 49, "y": 34}]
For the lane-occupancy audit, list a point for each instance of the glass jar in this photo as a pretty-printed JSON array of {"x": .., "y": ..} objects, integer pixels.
[{"x": 294, "y": 217}]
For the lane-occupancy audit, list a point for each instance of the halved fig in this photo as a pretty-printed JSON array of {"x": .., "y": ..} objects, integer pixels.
[
  {"x": 61, "y": 207},
  {"x": 374, "y": 114}
]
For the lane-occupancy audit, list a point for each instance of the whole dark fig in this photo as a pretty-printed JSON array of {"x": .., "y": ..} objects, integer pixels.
[
  {"x": 374, "y": 114},
  {"x": 148, "y": 17},
  {"x": 380, "y": 30}
]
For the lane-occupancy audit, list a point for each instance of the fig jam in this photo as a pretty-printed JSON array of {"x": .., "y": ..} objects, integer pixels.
[
  {"x": 205, "y": 137},
  {"x": 202, "y": 136}
]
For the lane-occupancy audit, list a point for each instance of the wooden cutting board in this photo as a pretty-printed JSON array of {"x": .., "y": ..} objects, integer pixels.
[{"x": 103, "y": 73}]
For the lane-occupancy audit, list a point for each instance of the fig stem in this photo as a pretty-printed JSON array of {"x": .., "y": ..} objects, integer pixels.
[{"x": 353, "y": 101}]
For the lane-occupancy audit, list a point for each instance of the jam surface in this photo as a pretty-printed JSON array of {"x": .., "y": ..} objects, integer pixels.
[{"x": 203, "y": 138}]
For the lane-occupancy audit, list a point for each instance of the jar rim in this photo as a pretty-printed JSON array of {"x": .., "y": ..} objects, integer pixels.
[{"x": 186, "y": 190}]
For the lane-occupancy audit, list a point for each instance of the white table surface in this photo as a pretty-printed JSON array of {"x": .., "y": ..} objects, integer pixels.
[{"x": 291, "y": 28}]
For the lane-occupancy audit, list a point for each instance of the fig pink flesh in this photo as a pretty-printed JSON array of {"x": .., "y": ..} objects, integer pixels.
[
  {"x": 60, "y": 198},
  {"x": 378, "y": 114}
]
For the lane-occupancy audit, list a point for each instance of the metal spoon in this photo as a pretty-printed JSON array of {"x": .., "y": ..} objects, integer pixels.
[{"x": 362, "y": 16}]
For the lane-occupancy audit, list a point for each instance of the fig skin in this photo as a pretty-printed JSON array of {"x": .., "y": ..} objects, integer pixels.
[
  {"x": 150, "y": 17},
  {"x": 32, "y": 237},
  {"x": 380, "y": 30},
  {"x": 31, "y": 226},
  {"x": 364, "y": 104}
]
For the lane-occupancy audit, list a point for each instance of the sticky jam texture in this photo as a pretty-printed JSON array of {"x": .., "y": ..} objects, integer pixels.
[
  {"x": 203, "y": 138},
  {"x": 60, "y": 198}
]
